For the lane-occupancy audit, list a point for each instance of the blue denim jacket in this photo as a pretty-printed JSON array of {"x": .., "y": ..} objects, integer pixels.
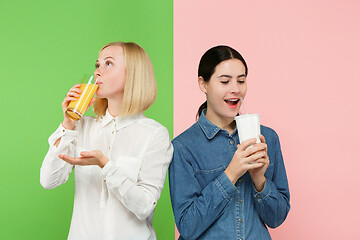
[{"x": 206, "y": 204}]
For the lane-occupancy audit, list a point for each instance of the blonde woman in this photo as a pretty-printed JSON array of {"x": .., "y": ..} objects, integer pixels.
[{"x": 120, "y": 157}]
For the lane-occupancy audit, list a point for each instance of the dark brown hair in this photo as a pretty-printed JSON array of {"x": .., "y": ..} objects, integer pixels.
[{"x": 213, "y": 57}]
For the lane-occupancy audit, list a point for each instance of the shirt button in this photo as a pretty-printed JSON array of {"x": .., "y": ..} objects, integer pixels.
[
  {"x": 258, "y": 196},
  {"x": 240, "y": 201},
  {"x": 231, "y": 142},
  {"x": 240, "y": 179},
  {"x": 240, "y": 220},
  {"x": 112, "y": 132}
]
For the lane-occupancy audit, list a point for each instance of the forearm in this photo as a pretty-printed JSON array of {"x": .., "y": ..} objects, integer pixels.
[
  {"x": 68, "y": 125},
  {"x": 138, "y": 197},
  {"x": 272, "y": 205},
  {"x": 55, "y": 171}
]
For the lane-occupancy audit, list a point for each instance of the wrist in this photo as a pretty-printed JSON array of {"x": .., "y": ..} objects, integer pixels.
[
  {"x": 103, "y": 161},
  {"x": 259, "y": 183},
  {"x": 68, "y": 124},
  {"x": 232, "y": 178}
]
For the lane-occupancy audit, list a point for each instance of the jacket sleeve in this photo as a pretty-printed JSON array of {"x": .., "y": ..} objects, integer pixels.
[
  {"x": 141, "y": 196},
  {"x": 273, "y": 202},
  {"x": 195, "y": 209},
  {"x": 54, "y": 171}
]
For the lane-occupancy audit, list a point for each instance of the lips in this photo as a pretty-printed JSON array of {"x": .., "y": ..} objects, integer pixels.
[{"x": 232, "y": 102}]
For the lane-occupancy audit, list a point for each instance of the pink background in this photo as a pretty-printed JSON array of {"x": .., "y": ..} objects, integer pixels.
[{"x": 304, "y": 78}]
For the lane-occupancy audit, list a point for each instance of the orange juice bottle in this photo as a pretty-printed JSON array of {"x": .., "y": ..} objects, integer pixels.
[{"x": 76, "y": 109}]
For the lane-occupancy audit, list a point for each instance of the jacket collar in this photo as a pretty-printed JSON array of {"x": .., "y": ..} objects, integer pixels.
[{"x": 209, "y": 129}]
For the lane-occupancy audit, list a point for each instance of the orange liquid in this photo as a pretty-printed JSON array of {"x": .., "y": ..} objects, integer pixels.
[{"x": 76, "y": 109}]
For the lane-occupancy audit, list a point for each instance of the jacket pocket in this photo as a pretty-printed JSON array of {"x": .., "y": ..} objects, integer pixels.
[{"x": 204, "y": 177}]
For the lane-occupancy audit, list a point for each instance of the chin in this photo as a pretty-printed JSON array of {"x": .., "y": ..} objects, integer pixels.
[
  {"x": 234, "y": 112},
  {"x": 99, "y": 95},
  {"x": 230, "y": 114}
]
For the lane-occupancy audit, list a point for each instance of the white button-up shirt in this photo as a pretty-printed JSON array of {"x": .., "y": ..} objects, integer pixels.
[{"x": 118, "y": 201}]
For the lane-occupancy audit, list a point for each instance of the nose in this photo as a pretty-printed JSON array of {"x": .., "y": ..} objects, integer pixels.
[
  {"x": 235, "y": 87},
  {"x": 97, "y": 72}
]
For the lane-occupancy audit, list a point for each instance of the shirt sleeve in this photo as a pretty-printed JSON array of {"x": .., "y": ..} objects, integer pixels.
[
  {"x": 141, "y": 197},
  {"x": 55, "y": 171},
  {"x": 273, "y": 202},
  {"x": 196, "y": 208}
]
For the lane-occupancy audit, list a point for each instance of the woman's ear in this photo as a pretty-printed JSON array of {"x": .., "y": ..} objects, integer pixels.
[{"x": 202, "y": 84}]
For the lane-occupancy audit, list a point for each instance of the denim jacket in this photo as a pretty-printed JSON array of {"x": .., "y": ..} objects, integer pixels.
[{"x": 206, "y": 204}]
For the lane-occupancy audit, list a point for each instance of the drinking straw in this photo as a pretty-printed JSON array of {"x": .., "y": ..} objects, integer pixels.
[
  {"x": 89, "y": 82},
  {"x": 243, "y": 105}
]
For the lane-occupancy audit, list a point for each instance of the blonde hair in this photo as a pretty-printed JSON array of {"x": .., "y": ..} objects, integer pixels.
[{"x": 140, "y": 85}]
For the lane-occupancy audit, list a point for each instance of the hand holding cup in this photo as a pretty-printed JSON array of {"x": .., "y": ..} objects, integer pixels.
[
  {"x": 245, "y": 158},
  {"x": 258, "y": 174},
  {"x": 77, "y": 102}
]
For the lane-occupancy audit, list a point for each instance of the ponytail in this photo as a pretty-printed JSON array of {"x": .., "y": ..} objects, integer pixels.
[{"x": 201, "y": 108}]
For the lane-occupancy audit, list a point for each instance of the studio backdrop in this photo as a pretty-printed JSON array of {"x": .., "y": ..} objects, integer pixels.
[{"x": 303, "y": 81}]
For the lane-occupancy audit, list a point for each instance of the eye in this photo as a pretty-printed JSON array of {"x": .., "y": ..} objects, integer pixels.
[
  {"x": 96, "y": 65},
  {"x": 108, "y": 63},
  {"x": 224, "y": 82},
  {"x": 241, "y": 80}
]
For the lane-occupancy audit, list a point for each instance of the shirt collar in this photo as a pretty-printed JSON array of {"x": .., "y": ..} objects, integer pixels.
[
  {"x": 119, "y": 122},
  {"x": 209, "y": 129}
]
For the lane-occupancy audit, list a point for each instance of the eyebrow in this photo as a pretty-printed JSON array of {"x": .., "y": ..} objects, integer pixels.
[
  {"x": 105, "y": 58},
  {"x": 228, "y": 76}
]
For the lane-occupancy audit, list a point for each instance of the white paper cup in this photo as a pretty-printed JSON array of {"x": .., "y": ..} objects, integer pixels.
[{"x": 248, "y": 126}]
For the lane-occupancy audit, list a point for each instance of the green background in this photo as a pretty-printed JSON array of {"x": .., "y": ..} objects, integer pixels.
[{"x": 46, "y": 47}]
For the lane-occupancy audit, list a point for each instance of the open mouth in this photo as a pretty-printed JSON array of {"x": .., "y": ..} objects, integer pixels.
[{"x": 232, "y": 102}]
